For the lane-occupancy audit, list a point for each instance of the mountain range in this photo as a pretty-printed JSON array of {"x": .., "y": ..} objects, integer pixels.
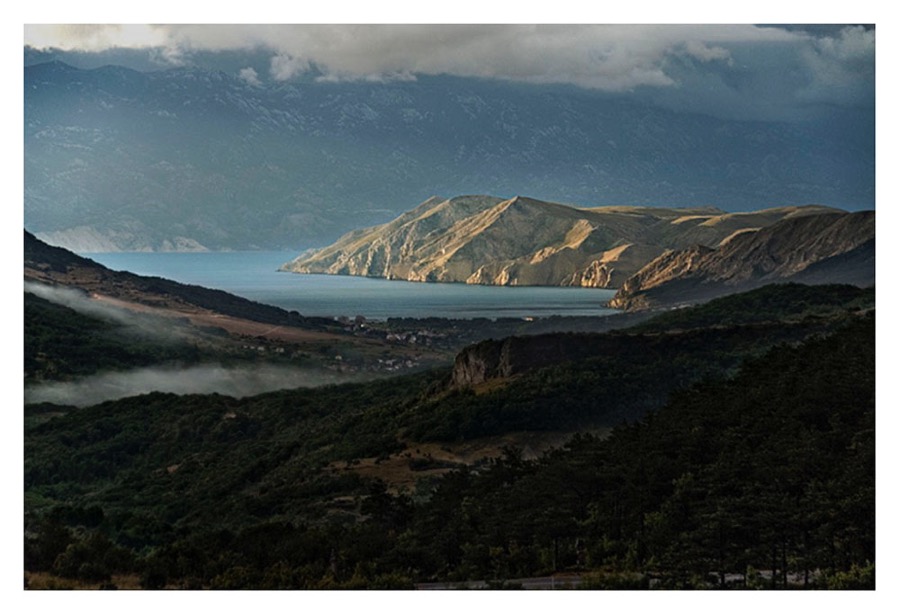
[
  {"x": 193, "y": 159},
  {"x": 645, "y": 252}
]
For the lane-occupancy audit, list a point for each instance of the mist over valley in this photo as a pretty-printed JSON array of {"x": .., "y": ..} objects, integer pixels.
[{"x": 192, "y": 380}]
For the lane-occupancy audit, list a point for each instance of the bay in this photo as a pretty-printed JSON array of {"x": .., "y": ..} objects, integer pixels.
[{"x": 255, "y": 276}]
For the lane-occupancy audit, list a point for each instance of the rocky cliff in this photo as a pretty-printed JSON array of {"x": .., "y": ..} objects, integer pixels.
[
  {"x": 514, "y": 355},
  {"x": 527, "y": 242},
  {"x": 822, "y": 248}
]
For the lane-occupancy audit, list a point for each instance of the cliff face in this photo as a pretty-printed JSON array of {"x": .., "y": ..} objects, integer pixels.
[
  {"x": 822, "y": 248},
  {"x": 478, "y": 363},
  {"x": 669, "y": 266},
  {"x": 513, "y": 355},
  {"x": 526, "y": 242}
]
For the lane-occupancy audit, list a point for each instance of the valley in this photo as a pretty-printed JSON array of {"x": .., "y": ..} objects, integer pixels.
[
  {"x": 120, "y": 320},
  {"x": 374, "y": 459}
]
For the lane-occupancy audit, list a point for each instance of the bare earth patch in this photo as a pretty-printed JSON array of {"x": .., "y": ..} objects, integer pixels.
[{"x": 403, "y": 470}]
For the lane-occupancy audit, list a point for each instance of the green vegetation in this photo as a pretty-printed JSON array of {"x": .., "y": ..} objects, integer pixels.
[
  {"x": 772, "y": 303},
  {"x": 602, "y": 380},
  {"x": 752, "y": 464}
]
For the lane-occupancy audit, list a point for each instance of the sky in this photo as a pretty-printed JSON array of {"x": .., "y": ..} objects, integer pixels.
[{"x": 738, "y": 71}]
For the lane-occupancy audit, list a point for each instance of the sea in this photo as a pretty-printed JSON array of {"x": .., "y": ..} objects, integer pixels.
[{"x": 255, "y": 276}]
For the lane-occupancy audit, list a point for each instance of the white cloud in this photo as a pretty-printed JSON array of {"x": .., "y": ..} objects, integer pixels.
[
  {"x": 197, "y": 379},
  {"x": 834, "y": 66},
  {"x": 852, "y": 43},
  {"x": 705, "y": 53},
  {"x": 285, "y": 66},
  {"x": 249, "y": 75},
  {"x": 95, "y": 37},
  {"x": 838, "y": 65}
]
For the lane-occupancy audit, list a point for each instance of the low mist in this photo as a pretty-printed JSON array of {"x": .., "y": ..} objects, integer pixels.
[
  {"x": 232, "y": 381},
  {"x": 140, "y": 324}
]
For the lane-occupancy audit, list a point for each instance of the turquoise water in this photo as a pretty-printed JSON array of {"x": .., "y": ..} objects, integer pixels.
[{"x": 255, "y": 276}]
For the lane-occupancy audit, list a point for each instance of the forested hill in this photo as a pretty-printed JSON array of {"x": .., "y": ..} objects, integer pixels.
[
  {"x": 753, "y": 457},
  {"x": 735, "y": 325},
  {"x": 772, "y": 470}
]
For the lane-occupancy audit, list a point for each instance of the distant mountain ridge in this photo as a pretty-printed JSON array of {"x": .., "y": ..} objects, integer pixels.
[
  {"x": 189, "y": 159},
  {"x": 523, "y": 241}
]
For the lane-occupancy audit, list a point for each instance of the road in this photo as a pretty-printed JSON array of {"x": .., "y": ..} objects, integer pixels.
[{"x": 567, "y": 581}]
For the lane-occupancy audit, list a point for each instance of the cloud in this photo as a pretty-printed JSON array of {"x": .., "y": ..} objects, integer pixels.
[
  {"x": 249, "y": 75},
  {"x": 838, "y": 66},
  {"x": 85, "y": 37},
  {"x": 741, "y": 70},
  {"x": 285, "y": 66},
  {"x": 597, "y": 56},
  {"x": 851, "y": 43},
  {"x": 79, "y": 301},
  {"x": 705, "y": 53}
]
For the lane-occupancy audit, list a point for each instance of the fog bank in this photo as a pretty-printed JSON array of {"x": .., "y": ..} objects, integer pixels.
[
  {"x": 232, "y": 381},
  {"x": 81, "y": 302}
]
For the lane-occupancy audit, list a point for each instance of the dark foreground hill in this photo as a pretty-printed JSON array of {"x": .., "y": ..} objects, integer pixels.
[{"x": 768, "y": 465}]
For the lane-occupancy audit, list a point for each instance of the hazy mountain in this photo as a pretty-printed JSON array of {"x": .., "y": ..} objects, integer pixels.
[
  {"x": 523, "y": 241},
  {"x": 190, "y": 159},
  {"x": 824, "y": 248}
]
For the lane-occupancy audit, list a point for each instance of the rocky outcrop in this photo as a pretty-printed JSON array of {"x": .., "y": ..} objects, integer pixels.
[
  {"x": 477, "y": 363},
  {"x": 669, "y": 266},
  {"x": 526, "y": 242},
  {"x": 822, "y": 248},
  {"x": 493, "y": 359}
]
